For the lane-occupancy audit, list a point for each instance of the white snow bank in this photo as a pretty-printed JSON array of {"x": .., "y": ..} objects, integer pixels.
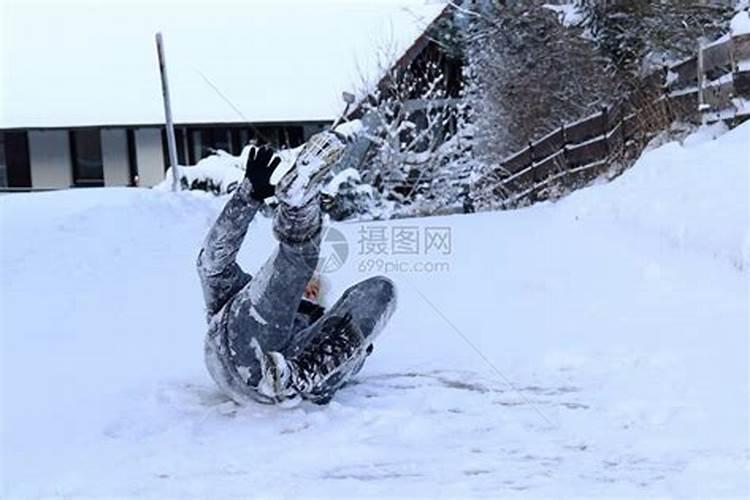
[
  {"x": 221, "y": 172},
  {"x": 550, "y": 351},
  {"x": 740, "y": 24},
  {"x": 692, "y": 196}
]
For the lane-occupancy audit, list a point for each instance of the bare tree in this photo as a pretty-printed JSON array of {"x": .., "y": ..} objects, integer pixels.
[
  {"x": 415, "y": 117},
  {"x": 529, "y": 73},
  {"x": 636, "y": 35}
]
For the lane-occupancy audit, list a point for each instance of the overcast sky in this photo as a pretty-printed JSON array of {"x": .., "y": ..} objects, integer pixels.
[{"x": 91, "y": 63}]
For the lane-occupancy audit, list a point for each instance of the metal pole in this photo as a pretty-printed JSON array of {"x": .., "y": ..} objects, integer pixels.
[{"x": 171, "y": 143}]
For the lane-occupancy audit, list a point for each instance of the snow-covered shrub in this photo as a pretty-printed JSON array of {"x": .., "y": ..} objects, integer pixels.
[
  {"x": 219, "y": 173},
  {"x": 416, "y": 119},
  {"x": 347, "y": 197}
]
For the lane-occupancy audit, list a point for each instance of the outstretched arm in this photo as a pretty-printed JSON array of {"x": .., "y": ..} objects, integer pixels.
[
  {"x": 228, "y": 231},
  {"x": 221, "y": 276}
]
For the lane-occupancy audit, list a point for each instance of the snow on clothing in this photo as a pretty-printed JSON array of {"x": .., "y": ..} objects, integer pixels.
[{"x": 267, "y": 307}]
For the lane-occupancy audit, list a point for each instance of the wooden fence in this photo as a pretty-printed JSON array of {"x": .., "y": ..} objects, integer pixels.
[
  {"x": 577, "y": 153},
  {"x": 718, "y": 79}
]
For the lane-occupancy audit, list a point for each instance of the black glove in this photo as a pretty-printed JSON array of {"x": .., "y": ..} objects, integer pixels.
[{"x": 261, "y": 163}]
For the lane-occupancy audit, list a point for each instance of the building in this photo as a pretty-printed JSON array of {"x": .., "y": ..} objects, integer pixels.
[
  {"x": 82, "y": 99},
  {"x": 123, "y": 155}
]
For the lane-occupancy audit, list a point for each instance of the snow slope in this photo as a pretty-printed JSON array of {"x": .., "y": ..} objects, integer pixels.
[{"x": 595, "y": 346}]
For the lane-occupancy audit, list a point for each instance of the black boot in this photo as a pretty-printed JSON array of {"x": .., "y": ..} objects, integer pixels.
[{"x": 323, "y": 366}]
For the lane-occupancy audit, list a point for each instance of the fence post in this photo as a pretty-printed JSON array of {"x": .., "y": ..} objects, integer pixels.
[
  {"x": 532, "y": 171},
  {"x": 623, "y": 139},
  {"x": 701, "y": 102},
  {"x": 564, "y": 149},
  {"x": 605, "y": 122},
  {"x": 665, "y": 94}
]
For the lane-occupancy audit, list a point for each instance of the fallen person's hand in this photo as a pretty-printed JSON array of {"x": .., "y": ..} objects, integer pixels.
[{"x": 261, "y": 163}]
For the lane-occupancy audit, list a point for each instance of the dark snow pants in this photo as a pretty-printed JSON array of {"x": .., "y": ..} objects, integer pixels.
[{"x": 265, "y": 306}]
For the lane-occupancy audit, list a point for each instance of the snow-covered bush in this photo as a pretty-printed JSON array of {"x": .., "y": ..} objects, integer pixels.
[
  {"x": 417, "y": 123},
  {"x": 346, "y": 196},
  {"x": 219, "y": 173}
]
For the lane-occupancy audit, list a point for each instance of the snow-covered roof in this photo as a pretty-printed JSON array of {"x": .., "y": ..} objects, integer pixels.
[{"x": 84, "y": 63}]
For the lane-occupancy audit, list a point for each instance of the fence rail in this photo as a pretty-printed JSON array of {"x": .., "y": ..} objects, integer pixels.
[{"x": 578, "y": 152}]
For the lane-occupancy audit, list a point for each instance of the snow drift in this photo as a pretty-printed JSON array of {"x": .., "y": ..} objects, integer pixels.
[
  {"x": 594, "y": 346},
  {"x": 221, "y": 172}
]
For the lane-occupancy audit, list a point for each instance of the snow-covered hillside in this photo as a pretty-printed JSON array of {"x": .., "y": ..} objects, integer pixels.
[{"x": 595, "y": 346}]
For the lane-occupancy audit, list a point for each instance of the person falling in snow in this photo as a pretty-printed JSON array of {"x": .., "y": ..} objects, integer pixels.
[{"x": 265, "y": 342}]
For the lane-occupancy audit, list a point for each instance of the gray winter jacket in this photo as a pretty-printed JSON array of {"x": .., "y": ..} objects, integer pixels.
[{"x": 240, "y": 307}]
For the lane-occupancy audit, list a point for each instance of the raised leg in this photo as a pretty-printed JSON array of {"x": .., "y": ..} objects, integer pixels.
[{"x": 370, "y": 303}]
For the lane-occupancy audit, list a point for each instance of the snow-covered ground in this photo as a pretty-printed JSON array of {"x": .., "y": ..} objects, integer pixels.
[{"x": 596, "y": 346}]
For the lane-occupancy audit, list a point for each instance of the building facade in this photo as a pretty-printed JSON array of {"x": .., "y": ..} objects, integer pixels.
[
  {"x": 57, "y": 158},
  {"x": 100, "y": 122}
]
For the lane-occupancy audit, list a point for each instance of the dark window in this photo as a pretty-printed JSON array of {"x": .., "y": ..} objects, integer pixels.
[
  {"x": 213, "y": 138},
  {"x": 222, "y": 139},
  {"x": 293, "y": 136},
  {"x": 206, "y": 142},
  {"x": 237, "y": 142},
  {"x": 3, "y": 173},
  {"x": 132, "y": 158},
  {"x": 266, "y": 134},
  {"x": 191, "y": 136},
  {"x": 198, "y": 152},
  {"x": 245, "y": 136},
  {"x": 164, "y": 150},
  {"x": 283, "y": 137},
  {"x": 86, "y": 151},
  {"x": 241, "y": 137},
  {"x": 216, "y": 138},
  {"x": 182, "y": 146},
  {"x": 179, "y": 139},
  {"x": 17, "y": 165}
]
